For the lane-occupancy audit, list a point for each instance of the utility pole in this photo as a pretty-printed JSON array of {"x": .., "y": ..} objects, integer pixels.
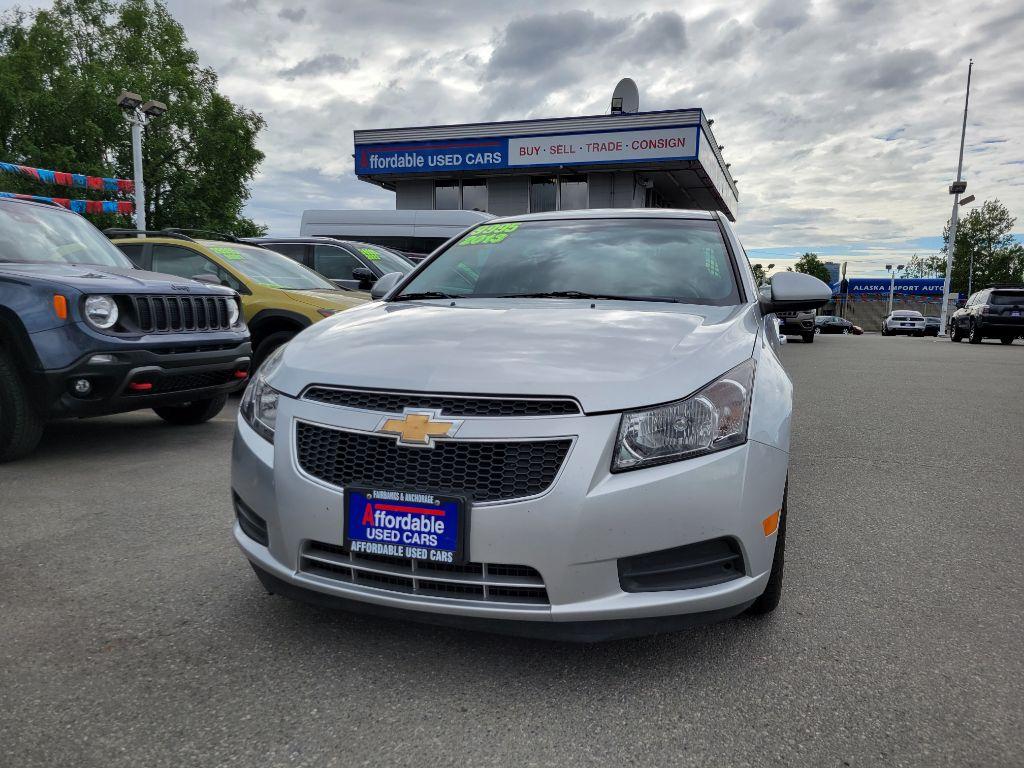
[
  {"x": 956, "y": 189},
  {"x": 138, "y": 114}
]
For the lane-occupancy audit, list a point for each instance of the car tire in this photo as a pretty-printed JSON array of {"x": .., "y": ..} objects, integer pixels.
[
  {"x": 954, "y": 333},
  {"x": 974, "y": 335},
  {"x": 268, "y": 345},
  {"x": 885, "y": 330},
  {"x": 21, "y": 425},
  {"x": 772, "y": 595},
  {"x": 817, "y": 330},
  {"x": 195, "y": 412},
  {"x": 1006, "y": 340},
  {"x": 846, "y": 331},
  {"x": 808, "y": 337}
]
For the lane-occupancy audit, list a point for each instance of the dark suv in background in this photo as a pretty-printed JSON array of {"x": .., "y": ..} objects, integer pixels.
[
  {"x": 85, "y": 333},
  {"x": 346, "y": 263},
  {"x": 994, "y": 313},
  {"x": 799, "y": 323}
]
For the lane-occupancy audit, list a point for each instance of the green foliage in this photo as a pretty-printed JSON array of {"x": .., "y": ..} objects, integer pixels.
[
  {"x": 929, "y": 266},
  {"x": 985, "y": 234},
  {"x": 61, "y": 71},
  {"x": 759, "y": 274},
  {"x": 810, "y": 264}
]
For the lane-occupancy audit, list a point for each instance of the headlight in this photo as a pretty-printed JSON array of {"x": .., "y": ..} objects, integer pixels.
[
  {"x": 101, "y": 311},
  {"x": 259, "y": 403},
  {"x": 232, "y": 312},
  {"x": 709, "y": 420}
]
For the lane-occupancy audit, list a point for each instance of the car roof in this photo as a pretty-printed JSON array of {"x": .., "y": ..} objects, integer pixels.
[
  {"x": 609, "y": 213},
  {"x": 35, "y": 203}
]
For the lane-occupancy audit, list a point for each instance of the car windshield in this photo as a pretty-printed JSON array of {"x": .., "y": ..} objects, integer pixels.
[
  {"x": 269, "y": 268},
  {"x": 386, "y": 261},
  {"x": 641, "y": 259},
  {"x": 1004, "y": 298},
  {"x": 43, "y": 233}
]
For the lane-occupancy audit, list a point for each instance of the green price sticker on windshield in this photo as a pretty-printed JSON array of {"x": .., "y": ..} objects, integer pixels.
[
  {"x": 489, "y": 234},
  {"x": 228, "y": 253},
  {"x": 370, "y": 253}
]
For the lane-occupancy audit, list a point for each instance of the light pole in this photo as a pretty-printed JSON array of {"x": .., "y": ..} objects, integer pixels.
[
  {"x": 956, "y": 189},
  {"x": 892, "y": 281},
  {"x": 138, "y": 114}
]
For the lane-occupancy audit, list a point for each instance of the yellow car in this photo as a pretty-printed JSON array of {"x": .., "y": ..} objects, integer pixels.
[{"x": 279, "y": 296}]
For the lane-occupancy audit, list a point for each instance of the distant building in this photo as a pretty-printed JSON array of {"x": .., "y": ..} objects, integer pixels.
[{"x": 833, "y": 271}]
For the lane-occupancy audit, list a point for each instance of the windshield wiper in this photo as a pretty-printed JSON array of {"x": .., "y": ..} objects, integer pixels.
[
  {"x": 423, "y": 295},
  {"x": 584, "y": 295}
]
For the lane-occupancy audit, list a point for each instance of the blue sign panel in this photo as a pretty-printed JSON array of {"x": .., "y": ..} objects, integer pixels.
[
  {"x": 918, "y": 286},
  {"x": 423, "y": 157},
  {"x": 421, "y": 526}
]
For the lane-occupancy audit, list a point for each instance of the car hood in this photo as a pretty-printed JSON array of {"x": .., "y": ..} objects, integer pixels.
[
  {"x": 610, "y": 356},
  {"x": 93, "y": 279},
  {"x": 326, "y": 299}
]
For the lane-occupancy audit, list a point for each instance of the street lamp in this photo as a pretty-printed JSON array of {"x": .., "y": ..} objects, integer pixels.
[
  {"x": 956, "y": 189},
  {"x": 892, "y": 281},
  {"x": 138, "y": 114}
]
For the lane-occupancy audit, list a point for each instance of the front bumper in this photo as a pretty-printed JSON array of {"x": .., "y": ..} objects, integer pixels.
[
  {"x": 791, "y": 327},
  {"x": 143, "y": 378},
  {"x": 573, "y": 535}
]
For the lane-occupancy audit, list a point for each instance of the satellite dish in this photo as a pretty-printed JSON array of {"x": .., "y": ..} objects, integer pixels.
[{"x": 625, "y": 98}]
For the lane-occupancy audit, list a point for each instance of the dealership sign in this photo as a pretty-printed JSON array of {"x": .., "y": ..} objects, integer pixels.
[
  {"x": 918, "y": 286},
  {"x": 656, "y": 144}
]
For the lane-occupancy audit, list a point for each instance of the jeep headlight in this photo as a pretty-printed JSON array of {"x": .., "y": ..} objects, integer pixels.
[
  {"x": 709, "y": 420},
  {"x": 232, "y": 312},
  {"x": 101, "y": 311},
  {"x": 259, "y": 403}
]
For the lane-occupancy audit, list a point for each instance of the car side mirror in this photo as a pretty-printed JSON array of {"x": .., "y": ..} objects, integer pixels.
[
  {"x": 206, "y": 278},
  {"x": 794, "y": 290},
  {"x": 384, "y": 285},
  {"x": 365, "y": 276}
]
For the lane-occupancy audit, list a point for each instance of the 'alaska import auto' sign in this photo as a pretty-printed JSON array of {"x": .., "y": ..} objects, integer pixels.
[{"x": 621, "y": 146}]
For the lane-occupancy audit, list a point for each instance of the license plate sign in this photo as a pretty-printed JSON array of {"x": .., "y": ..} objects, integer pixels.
[{"x": 420, "y": 526}]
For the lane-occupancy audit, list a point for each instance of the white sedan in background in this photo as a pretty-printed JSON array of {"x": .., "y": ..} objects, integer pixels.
[{"x": 905, "y": 321}]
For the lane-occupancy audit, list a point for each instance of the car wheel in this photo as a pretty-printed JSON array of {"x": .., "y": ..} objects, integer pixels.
[
  {"x": 268, "y": 345},
  {"x": 974, "y": 336},
  {"x": 954, "y": 333},
  {"x": 21, "y": 426},
  {"x": 1006, "y": 340},
  {"x": 885, "y": 330},
  {"x": 846, "y": 331},
  {"x": 817, "y": 330},
  {"x": 195, "y": 412},
  {"x": 808, "y": 338},
  {"x": 772, "y": 595}
]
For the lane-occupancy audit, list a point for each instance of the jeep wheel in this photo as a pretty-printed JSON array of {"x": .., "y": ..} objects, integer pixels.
[
  {"x": 268, "y": 345},
  {"x": 769, "y": 599},
  {"x": 21, "y": 426},
  {"x": 195, "y": 412},
  {"x": 974, "y": 337},
  {"x": 954, "y": 333},
  {"x": 808, "y": 337}
]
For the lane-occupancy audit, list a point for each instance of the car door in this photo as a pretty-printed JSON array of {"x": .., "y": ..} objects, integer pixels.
[{"x": 336, "y": 264}]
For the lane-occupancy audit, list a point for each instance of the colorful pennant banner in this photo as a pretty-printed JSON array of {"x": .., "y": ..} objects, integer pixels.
[
  {"x": 80, "y": 206},
  {"x": 79, "y": 180}
]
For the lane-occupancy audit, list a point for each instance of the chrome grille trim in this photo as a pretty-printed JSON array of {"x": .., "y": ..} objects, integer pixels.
[{"x": 458, "y": 405}]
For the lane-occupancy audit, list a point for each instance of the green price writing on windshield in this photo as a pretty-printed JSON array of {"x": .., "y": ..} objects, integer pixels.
[
  {"x": 370, "y": 253},
  {"x": 228, "y": 253},
  {"x": 489, "y": 233}
]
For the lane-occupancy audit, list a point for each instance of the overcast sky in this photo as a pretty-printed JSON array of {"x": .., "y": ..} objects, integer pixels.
[{"x": 841, "y": 120}]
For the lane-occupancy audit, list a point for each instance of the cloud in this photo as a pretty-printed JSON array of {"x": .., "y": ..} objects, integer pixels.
[
  {"x": 324, "y": 64},
  {"x": 841, "y": 118},
  {"x": 292, "y": 14}
]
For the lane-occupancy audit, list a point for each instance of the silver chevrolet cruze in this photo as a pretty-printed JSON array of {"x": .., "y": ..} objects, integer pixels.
[{"x": 567, "y": 424}]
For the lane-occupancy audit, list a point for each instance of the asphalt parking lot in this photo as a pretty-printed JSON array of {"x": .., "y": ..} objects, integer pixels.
[{"x": 133, "y": 633}]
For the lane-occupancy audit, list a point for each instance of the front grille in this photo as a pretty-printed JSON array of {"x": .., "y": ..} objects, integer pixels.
[
  {"x": 167, "y": 314},
  {"x": 180, "y": 382},
  {"x": 518, "y": 584},
  {"x": 448, "y": 405},
  {"x": 485, "y": 471}
]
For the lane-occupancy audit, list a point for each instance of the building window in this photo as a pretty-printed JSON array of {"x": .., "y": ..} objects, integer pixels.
[
  {"x": 572, "y": 193},
  {"x": 474, "y": 195},
  {"x": 542, "y": 194},
  {"x": 446, "y": 195}
]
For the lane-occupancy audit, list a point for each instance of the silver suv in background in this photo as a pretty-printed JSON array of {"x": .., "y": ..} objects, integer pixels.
[
  {"x": 905, "y": 321},
  {"x": 799, "y": 323}
]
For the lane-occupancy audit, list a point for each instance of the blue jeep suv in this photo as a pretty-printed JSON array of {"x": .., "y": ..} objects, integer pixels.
[{"x": 85, "y": 333}]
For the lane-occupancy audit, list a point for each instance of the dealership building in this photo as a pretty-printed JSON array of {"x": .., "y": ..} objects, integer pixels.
[{"x": 664, "y": 159}]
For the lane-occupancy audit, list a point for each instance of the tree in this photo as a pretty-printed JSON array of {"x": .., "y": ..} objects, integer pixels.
[
  {"x": 61, "y": 71},
  {"x": 759, "y": 274},
  {"x": 810, "y": 264},
  {"x": 985, "y": 237},
  {"x": 929, "y": 266}
]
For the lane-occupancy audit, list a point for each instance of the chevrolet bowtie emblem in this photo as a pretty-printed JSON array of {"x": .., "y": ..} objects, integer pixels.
[{"x": 419, "y": 427}]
